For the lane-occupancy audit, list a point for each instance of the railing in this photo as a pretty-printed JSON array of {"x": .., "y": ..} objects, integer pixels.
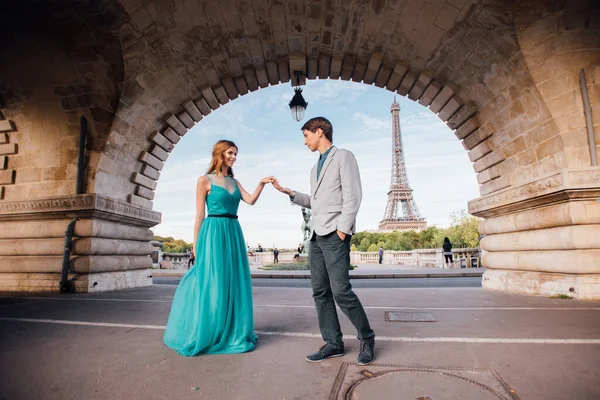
[{"x": 433, "y": 258}]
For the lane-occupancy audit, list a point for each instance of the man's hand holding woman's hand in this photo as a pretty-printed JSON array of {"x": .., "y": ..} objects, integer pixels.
[
  {"x": 268, "y": 179},
  {"x": 282, "y": 189}
]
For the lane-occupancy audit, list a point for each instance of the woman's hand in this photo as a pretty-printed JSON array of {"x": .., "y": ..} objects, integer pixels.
[{"x": 268, "y": 179}]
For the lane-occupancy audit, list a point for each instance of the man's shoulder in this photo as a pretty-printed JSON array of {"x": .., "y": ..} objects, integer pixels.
[{"x": 344, "y": 152}]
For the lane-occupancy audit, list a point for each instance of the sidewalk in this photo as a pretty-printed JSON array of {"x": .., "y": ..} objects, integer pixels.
[
  {"x": 363, "y": 271},
  {"x": 479, "y": 345}
]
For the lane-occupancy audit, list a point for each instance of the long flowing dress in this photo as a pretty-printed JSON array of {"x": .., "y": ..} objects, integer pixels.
[{"x": 212, "y": 307}]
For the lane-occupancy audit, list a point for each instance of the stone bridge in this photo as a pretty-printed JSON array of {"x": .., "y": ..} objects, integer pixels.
[{"x": 505, "y": 76}]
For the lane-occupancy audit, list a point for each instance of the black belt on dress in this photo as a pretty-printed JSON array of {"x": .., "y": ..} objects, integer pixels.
[{"x": 231, "y": 216}]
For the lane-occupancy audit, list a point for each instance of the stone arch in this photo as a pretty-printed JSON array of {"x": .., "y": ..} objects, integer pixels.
[
  {"x": 499, "y": 73},
  {"x": 459, "y": 117}
]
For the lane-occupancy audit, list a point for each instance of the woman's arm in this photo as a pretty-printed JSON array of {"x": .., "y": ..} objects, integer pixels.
[
  {"x": 202, "y": 188},
  {"x": 252, "y": 198}
]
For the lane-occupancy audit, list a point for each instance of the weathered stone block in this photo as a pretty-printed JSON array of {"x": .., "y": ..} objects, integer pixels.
[
  {"x": 230, "y": 89},
  {"x": 494, "y": 185},
  {"x": 144, "y": 192},
  {"x": 441, "y": 99},
  {"x": 479, "y": 151},
  {"x": 488, "y": 174},
  {"x": 467, "y": 128},
  {"x": 186, "y": 120},
  {"x": 3, "y": 162},
  {"x": 478, "y": 136},
  {"x": 242, "y": 87},
  {"x": 372, "y": 69},
  {"x": 143, "y": 180},
  {"x": 397, "y": 75},
  {"x": 6, "y": 126},
  {"x": 174, "y": 123},
  {"x": 211, "y": 99},
  {"x": 151, "y": 160},
  {"x": 549, "y": 147},
  {"x": 420, "y": 85},
  {"x": 463, "y": 113},
  {"x": 91, "y": 265},
  {"x": 261, "y": 76},
  {"x": 162, "y": 141},
  {"x": 449, "y": 109},
  {"x": 7, "y": 149},
  {"x": 515, "y": 147},
  {"x": 407, "y": 83},
  {"x": 159, "y": 153},
  {"x": 150, "y": 172},
  {"x": 271, "y": 72},
  {"x": 7, "y": 176},
  {"x": 284, "y": 71},
  {"x": 528, "y": 157},
  {"x": 139, "y": 201},
  {"x": 360, "y": 68},
  {"x": 335, "y": 68},
  {"x": 251, "y": 80},
  {"x": 171, "y": 135},
  {"x": 432, "y": 90},
  {"x": 447, "y": 16},
  {"x": 205, "y": 108},
  {"x": 488, "y": 161},
  {"x": 383, "y": 76},
  {"x": 347, "y": 66}
]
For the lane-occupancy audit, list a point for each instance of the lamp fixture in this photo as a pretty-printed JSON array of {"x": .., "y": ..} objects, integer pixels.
[{"x": 298, "y": 104}]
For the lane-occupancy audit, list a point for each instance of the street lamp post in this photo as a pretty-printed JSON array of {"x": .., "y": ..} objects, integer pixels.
[{"x": 298, "y": 104}]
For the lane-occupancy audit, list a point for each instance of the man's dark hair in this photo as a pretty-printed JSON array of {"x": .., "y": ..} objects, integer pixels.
[{"x": 319, "y": 122}]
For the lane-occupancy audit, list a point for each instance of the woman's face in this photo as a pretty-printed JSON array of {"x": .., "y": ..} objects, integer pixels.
[{"x": 229, "y": 157}]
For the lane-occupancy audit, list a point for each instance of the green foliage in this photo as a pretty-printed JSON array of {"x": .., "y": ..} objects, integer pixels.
[
  {"x": 171, "y": 245},
  {"x": 464, "y": 232}
]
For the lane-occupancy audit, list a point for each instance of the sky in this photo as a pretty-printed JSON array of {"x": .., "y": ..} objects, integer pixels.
[{"x": 270, "y": 142}]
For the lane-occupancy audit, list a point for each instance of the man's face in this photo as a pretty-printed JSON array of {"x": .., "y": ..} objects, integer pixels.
[{"x": 312, "y": 139}]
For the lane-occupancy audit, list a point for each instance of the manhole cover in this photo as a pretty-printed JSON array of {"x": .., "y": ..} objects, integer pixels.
[
  {"x": 410, "y": 382},
  {"x": 407, "y": 316}
]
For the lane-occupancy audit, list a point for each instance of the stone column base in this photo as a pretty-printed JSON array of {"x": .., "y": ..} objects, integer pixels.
[
  {"x": 110, "y": 248},
  {"x": 584, "y": 287},
  {"x": 99, "y": 282},
  {"x": 542, "y": 238}
]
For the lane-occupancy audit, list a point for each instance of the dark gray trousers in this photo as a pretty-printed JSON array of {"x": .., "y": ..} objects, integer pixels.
[{"x": 329, "y": 259}]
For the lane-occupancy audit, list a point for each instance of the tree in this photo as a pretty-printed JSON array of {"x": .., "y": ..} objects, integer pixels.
[
  {"x": 464, "y": 232},
  {"x": 171, "y": 245}
]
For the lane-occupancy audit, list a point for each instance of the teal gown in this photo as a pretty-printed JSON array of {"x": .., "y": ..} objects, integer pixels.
[{"x": 212, "y": 307}]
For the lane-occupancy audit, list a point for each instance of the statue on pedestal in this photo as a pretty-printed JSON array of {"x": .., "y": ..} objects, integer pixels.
[{"x": 306, "y": 228}]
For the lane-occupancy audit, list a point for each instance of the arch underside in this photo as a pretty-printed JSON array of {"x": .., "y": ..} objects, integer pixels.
[{"x": 503, "y": 75}]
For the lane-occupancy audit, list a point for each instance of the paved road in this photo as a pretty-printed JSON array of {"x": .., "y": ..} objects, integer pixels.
[{"x": 357, "y": 283}]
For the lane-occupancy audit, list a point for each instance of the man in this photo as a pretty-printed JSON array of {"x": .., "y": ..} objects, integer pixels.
[
  {"x": 275, "y": 256},
  {"x": 380, "y": 254},
  {"x": 334, "y": 202}
]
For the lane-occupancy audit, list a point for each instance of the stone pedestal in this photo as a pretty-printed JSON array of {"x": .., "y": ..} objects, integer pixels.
[
  {"x": 544, "y": 237},
  {"x": 110, "y": 248}
]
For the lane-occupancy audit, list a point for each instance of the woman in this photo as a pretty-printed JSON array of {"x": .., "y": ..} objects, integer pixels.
[
  {"x": 447, "y": 248},
  {"x": 212, "y": 308}
]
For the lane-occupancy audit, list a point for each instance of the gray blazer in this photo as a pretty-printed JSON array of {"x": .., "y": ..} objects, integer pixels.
[{"x": 335, "y": 197}]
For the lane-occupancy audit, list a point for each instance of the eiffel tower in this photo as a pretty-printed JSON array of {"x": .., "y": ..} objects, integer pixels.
[{"x": 401, "y": 212}]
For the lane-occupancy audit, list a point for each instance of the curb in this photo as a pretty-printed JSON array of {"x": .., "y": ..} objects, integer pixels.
[{"x": 352, "y": 276}]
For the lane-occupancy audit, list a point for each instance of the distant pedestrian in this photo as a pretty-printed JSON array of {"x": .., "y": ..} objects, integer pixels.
[
  {"x": 276, "y": 256},
  {"x": 191, "y": 259},
  {"x": 380, "y": 254},
  {"x": 447, "y": 249}
]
